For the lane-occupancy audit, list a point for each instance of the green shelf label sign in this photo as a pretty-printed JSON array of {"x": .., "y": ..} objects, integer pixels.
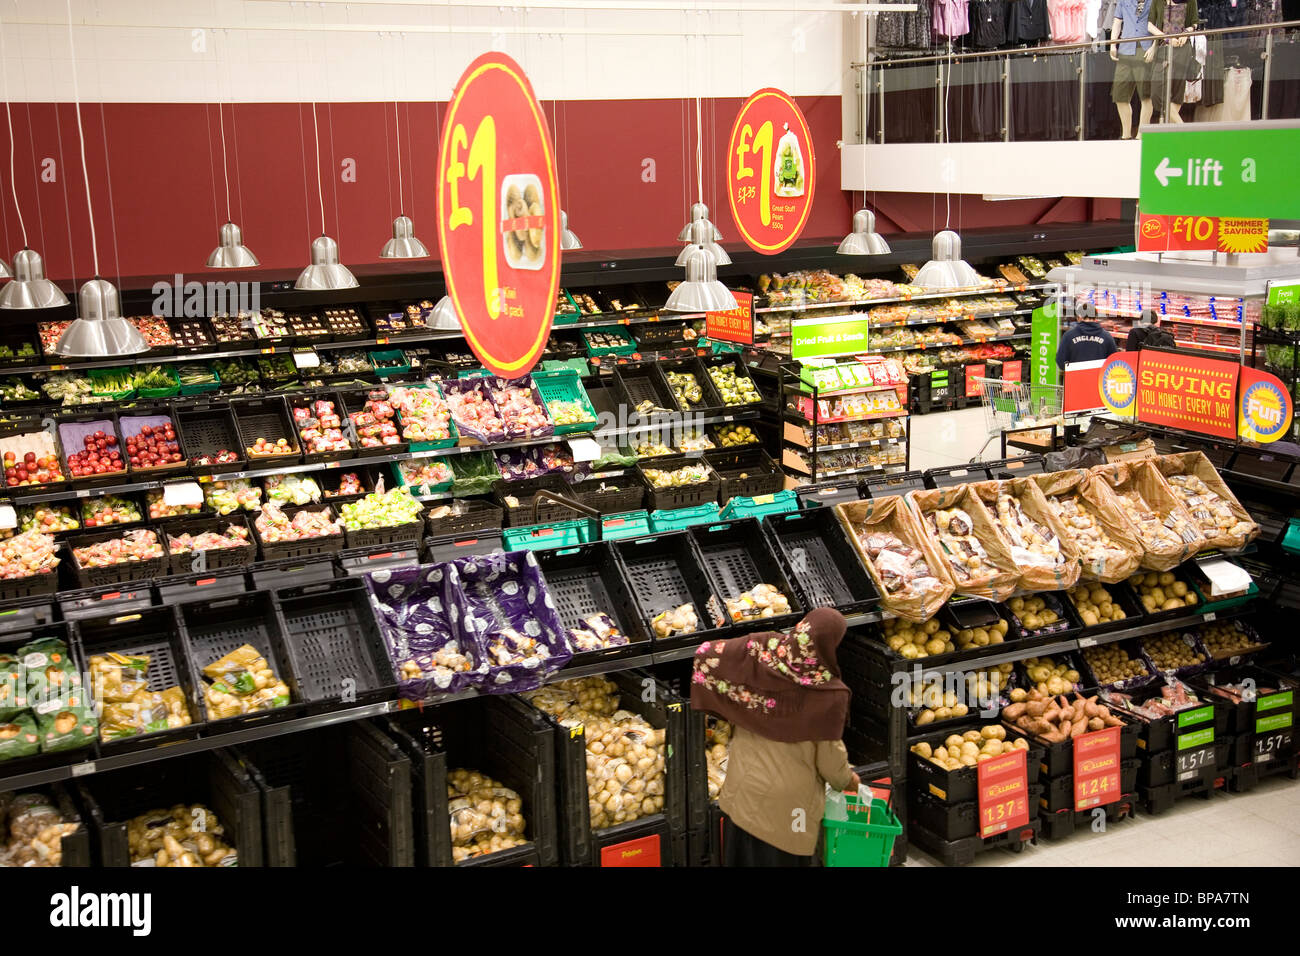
[
  {"x": 1283, "y": 293},
  {"x": 1274, "y": 701},
  {"x": 1276, "y": 722},
  {"x": 1227, "y": 169},
  {"x": 1200, "y": 715},
  {"x": 811, "y": 338},
  {"x": 1198, "y": 739},
  {"x": 1044, "y": 336}
]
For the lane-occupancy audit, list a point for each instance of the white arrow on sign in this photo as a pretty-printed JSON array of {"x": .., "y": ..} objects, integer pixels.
[{"x": 1164, "y": 171}]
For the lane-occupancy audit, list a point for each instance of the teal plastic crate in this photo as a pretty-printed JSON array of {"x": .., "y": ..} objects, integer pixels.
[
  {"x": 170, "y": 391},
  {"x": 672, "y": 519},
  {"x": 627, "y": 349},
  {"x": 1291, "y": 541},
  {"x": 628, "y": 524},
  {"x": 1226, "y": 603},
  {"x": 566, "y": 318},
  {"x": 540, "y": 537},
  {"x": 387, "y": 355},
  {"x": 201, "y": 388},
  {"x": 471, "y": 372},
  {"x": 400, "y": 481},
  {"x": 565, "y": 386},
  {"x": 99, "y": 376},
  {"x": 774, "y": 504},
  {"x": 574, "y": 364},
  {"x": 447, "y": 442}
]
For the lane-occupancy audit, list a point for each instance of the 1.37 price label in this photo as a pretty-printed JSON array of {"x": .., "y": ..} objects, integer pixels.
[
  {"x": 499, "y": 215},
  {"x": 771, "y": 171}
]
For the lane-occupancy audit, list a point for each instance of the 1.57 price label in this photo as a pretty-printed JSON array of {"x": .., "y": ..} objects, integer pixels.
[
  {"x": 771, "y": 171},
  {"x": 499, "y": 215}
]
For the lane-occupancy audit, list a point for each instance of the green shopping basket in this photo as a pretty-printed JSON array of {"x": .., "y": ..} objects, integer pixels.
[{"x": 866, "y": 838}]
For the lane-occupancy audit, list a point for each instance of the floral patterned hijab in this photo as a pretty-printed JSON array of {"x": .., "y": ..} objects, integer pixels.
[{"x": 785, "y": 687}]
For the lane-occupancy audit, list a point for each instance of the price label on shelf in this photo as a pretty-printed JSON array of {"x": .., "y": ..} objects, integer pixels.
[
  {"x": 8, "y": 517},
  {"x": 771, "y": 171},
  {"x": 1003, "y": 793},
  {"x": 182, "y": 493},
  {"x": 1087, "y": 642},
  {"x": 499, "y": 215},
  {"x": 306, "y": 358},
  {"x": 1096, "y": 768}
]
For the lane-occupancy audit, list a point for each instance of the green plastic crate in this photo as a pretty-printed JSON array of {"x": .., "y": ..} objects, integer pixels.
[
  {"x": 1291, "y": 541},
  {"x": 97, "y": 378},
  {"x": 1226, "y": 603},
  {"x": 540, "y": 537},
  {"x": 447, "y": 442},
  {"x": 628, "y": 524},
  {"x": 565, "y": 386},
  {"x": 673, "y": 519},
  {"x": 628, "y": 349},
  {"x": 400, "y": 480},
  {"x": 474, "y": 372},
  {"x": 868, "y": 841},
  {"x": 577, "y": 365},
  {"x": 202, "y": 388},
  {"x": 170, "y": 391},
  {"x": 756, "y": 507},
  {"x": 566, "y": 318},
  {"x": 387, "y": 355}
]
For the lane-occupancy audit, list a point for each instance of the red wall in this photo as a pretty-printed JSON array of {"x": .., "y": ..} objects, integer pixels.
[{"x": 155, "y": 172}]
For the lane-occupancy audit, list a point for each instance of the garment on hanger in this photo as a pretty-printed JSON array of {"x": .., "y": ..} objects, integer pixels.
[
  {"x": 1213, "y": 71},
  {"x": 1026, "y": 22},
  {"x": 1192, "y": 93},
  {"x": 1066, "y": 19},
  {"x": 988, "y": 23},
  {"x": 1171, "y": 17},
  {"x": 949, "y": 19},
  {"x": 1094, "y": 10}
]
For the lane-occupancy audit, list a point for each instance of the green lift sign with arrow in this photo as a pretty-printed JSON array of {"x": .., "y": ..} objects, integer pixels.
[{"x": 1221, "y": 169}]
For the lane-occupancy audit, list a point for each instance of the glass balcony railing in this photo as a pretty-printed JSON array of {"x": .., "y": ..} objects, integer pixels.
[{"x": 1069, "y": 91}]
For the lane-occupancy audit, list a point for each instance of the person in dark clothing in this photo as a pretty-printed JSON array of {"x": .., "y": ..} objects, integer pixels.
[
  {"x": 1146, "y": 331},
  {"x": 1085, "y": 341}
]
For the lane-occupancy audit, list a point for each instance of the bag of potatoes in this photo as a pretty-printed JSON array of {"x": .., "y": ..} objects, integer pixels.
[
  {"x": 1109, "y": 550},
  {"x": 962, "y": 531},
  {"x": 1206, "y": 496},
  {"x": 900, "y": 559},
  {"x": 1168, "y": 534},
  {"x": 1041, "y": 548}
]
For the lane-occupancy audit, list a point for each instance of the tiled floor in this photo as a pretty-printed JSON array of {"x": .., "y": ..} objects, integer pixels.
[
  {"x": 1259, "y": 828},
  {"x": 949, "y": 438}
]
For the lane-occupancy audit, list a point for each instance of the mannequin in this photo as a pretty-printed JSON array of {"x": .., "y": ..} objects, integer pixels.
[
  {"x": 1132, "y": 62},
  {"x": 1173, "y": 16}
]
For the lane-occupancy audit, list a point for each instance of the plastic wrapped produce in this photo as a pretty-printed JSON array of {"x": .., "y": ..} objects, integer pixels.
[
  {"x": 473, "y": 410},
  {"x": 596, "y": 632},
  {"x": 675, "y": 621},
  {"x": 242, "y": 682},
  {"x": 138, "y": 544},
  {"x": 1168, "y": 533},
  {"x": 387, "y": 509},
  {"x": 1038, "y": 543},
  {"x": 36, "y": 829},
  {"x": 520, "y": 406},
  {"x": 485, "y": 815},
  {"x": 184, "y": 836},
  {"x": 424, "y": 414},
  {"x": 760, "y": 601},
  {"x": 1108, "y": 549},
  {"x": 376, "y": 422},
  {"x": 717, "y": 743},
  {"x": 1199, "y": 488},
  {"x": 291, "y": 489},
  {"x": 963, "y": 532},
  {"x": 911, "y": 577},
  {"x": 229, "y": 495},
  {"x": 27, "y": 554}
]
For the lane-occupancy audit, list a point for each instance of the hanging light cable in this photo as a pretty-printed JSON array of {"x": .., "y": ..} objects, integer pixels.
[
  {"x": 404, "y": 244},
  {"x": 29, "y": 288},
  {"x": 99, "y": 331},
  {"x": 230, "y": 253},
  {"x": 864, "y": 240}
]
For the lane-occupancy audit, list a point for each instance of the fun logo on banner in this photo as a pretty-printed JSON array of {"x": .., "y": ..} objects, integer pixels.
[
  {"x": 1263, "y": 407},
  {"x": 1118, "y": 384}
]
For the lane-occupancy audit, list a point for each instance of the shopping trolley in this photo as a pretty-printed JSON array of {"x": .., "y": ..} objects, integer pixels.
[{"x": 1032, "y": 412}]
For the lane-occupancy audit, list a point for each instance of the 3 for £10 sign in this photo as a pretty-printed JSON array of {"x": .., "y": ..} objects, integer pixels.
[
  {"x": 771, "y": 171},
  {"x": 499, "y": 215}
]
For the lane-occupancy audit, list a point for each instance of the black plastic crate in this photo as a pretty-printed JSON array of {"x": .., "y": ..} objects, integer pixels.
[
  {"x": 587, "y": 580},
  {"x": 151, "y": 632},
  {"x": 640, "y": 382},
  {"x": 680, "y": 496},
  {"x": 1120, "y": 594},
  {"x": 745, "y": 473},
  {"x": 196, "y": 585},
  {"x": 737, "y": 556},
  {"x": 523, "y": 491},
  {"x": 308, "y": 402},
  {"x": 15, "y": 589},
  {"x": 951, "y": 475},
  {"x": 1059, "y": 824},
  {"x": 213, "y": 559},
  {"x": 105, "y": 417},
  {"x": 349, "y": 796},
  {"x": 206, "y": 430},
  {"x": 330, "y": 479},
  {"x": 1006, "y": 468},
  {"x": 1058, "y": 758},
  {"x": 498, "y": 736},
  {"x": 303, "y": 547},
  {"x": 610, "y": 496},
  {"x": 709, "y": 403},
  {"x": 963, "y": 851},
  {"x": 882, "y": 486},
  {"x": 120, "y": 573},
  {"x": 75, "y": 847},
  {"x": 665, "y": 572},
  {"x": 820, "y": 562},
  {"x": 959, "y": 786},
  {"x": 478, "y": 514},
  {"x": 1169, "y": 732},
  {"x": 409, "y": 533},
  {"x": 736, "y": 363},
  {"x": 213, "y": 779},
  {"x": 267, "y": 418},
  {"x": 1058, "y": 792},
  {"x": 336, "y": 654},
  {"x": 354, "y": 400},
  {"x": 453, "y": 546},
  {"x": 827, "y": 494},
  {"x": 957, "y": 821},
  {"x": 215, "y": 627},
  {"x": 1275, "y": 696}
]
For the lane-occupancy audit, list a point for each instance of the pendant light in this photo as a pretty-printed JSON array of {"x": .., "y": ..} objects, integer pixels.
[
  {"x": 403, "y": 245},
  {"x": 864, "y": 240},
  {"x": 99, "y": 331},
  {"x": 29, "y": 288},
  {"x": 701, "y": 292},
  {"x": 326, "y": 272},
  {"x": 702, "y": 235},
  {"x": 231, "y": 253},
  {"x": 568, "y": 238},
  {"x": 698, "y": 211},
  {"x": 444, "y": 316}
]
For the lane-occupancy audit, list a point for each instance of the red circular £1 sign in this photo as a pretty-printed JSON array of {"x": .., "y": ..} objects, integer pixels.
[
  {"x": 771, "y": 171},
  {"x": 499, "y": 215}
]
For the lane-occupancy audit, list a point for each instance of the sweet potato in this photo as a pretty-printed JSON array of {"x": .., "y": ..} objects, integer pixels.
[
  {"x": 1089, "y": 709},
  {"x": 1052, "y": 714},
  {"x": 1039, "y": 726},
  {"x": 1110, "y": 721},
  {"x": 1103, "y": 711},
  {"x": 1012, "y": 711},
  {"x": 1036, "y": 708},
  {"x": 1079, "y": 726},
  {"x": 1055, "y": 737},
  {"x": 1096, "y": 723},
  {"x": 1078, "y": 710}
]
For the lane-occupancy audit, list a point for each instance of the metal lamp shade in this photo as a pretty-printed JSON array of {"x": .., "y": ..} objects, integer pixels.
[
  {"x": 231, "y": 253},
  {"x": 701, "y": 292},
  {"x": 325, "y": 272},
  {"x": 29, "y": 289},
  {"x": 864, "y": 240},
  {"x": 698, "y": 211},
  {"x": 100, "y": 331},
  {"x": 702, "y": 235},
  {"x": 4, "y": 270},
  {"x": 946, "y": 269},
  {"x": 404, "y": 245},
  {"x": 444, "y": 316},
  {"x": 568, "y": 238}
]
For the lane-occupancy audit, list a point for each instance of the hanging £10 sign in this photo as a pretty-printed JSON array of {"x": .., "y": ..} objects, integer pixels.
[
  {"x": 499, "y": 215},
  {"x": 771, "y": 171}
]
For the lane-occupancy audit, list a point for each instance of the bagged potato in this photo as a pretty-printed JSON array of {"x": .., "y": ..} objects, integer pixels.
[
  {"x": 965, "y": 536},
  {"x": 1040, "y": 546},
  {"x": 1168, "y": 534},
  {"x": 1109, "y": 550},
  {"x": 912, "y": 578},
  {"x": 1207, "y": 498}
]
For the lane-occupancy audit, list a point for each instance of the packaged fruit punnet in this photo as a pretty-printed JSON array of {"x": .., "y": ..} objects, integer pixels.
[
  {"x": 978, "y": 561},
  {"x": 1168, "y": 533}
]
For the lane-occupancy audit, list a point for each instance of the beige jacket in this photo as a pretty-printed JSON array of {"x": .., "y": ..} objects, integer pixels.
[{"x": 777, "y": 791}]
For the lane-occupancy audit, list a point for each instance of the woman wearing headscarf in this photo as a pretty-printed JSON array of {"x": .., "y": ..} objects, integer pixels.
[{"x": 783, "y": 694}]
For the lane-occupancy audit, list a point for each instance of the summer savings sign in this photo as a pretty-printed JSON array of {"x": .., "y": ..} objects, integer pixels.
[
  {"x": 499, "y": 215},
  {"x": 771, "y": 171},
  {"x": 1210, "y": 396}
]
